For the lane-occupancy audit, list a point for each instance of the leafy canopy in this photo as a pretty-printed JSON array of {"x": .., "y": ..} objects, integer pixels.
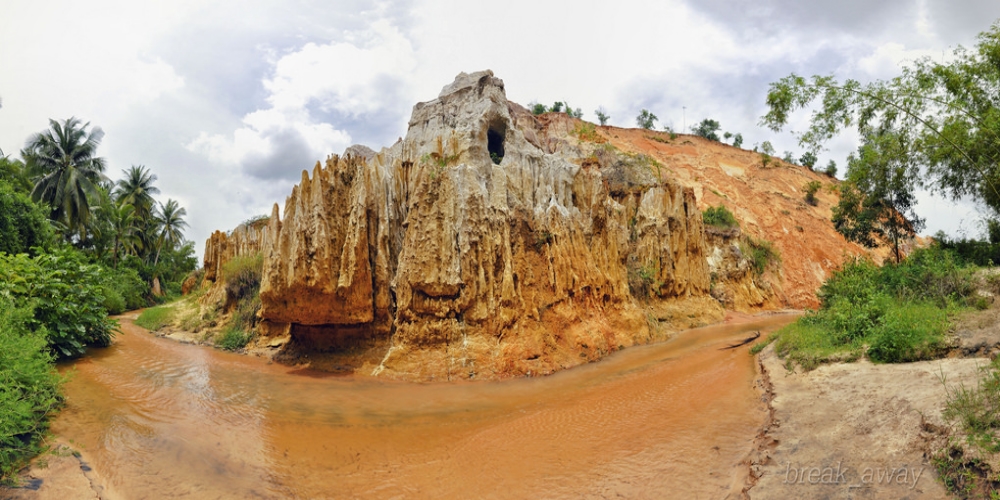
[{"x": 944, "y": 117}]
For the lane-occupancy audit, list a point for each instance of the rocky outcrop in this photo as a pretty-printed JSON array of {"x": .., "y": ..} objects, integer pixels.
[
  {"x": 492, "y": 243},
  {"x": 487, "y": 243},
  {"x": 249, "y": 238}
]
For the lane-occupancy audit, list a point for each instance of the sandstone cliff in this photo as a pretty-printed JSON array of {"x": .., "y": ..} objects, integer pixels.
[{"x": 493, "y": 243}]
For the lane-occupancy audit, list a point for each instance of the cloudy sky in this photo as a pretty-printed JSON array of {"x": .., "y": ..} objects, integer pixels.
[{"x": 227, "y": 101}]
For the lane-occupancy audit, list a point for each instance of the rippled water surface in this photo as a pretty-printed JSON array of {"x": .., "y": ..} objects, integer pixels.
[{"x": 159, "y": 419}]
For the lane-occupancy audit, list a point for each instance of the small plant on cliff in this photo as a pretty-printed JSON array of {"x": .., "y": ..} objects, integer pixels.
[
  {"x": 243, "y": 276},
  {"x": 831, "y": 169},
  {"x": 587, "y": 132},
  {"x": 761, "y": 253},
  {"x": 642, "y": 279},
  {"x": 646, "y": 119},
  {"x": 602, "y": 116},
  {"x": 811, "y": 188},
  {"x": 538, "y": 109},
  {"x": 708, "y": 128},
  {"x": 720, "y": 217},
  {"x": 233, "y": 338}
]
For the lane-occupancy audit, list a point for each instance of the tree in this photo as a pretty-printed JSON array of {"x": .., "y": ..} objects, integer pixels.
[
  {"x": 738, "y": 140},
  {"x": 878, "y": 197},
  {"x": 808, "y": 159},
  {"x": 602, "y": 116},
  {"x": 23, "y": 224},
  {"x": 65, "y": 160},
  {"x": 789, "y": 157},
  {"x": 556, "y": 107},
  {"x": 172, "y": 226},
  {"x": 831, "y": 169},
  {"x": 137, "y": 189},
  {"x": 947, "y": 115},
  {"x": 15, "y": 174},
  {"x": 708, "y": 129},
  {"x": 645, "y": 119},
  {"x": 538, "y": 109}
]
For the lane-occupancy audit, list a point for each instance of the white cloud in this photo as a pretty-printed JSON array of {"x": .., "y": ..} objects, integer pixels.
[{"x": 342, "y": 77}]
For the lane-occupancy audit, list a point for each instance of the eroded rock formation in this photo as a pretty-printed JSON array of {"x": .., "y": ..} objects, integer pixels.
[{"x": 487, "y": 243}]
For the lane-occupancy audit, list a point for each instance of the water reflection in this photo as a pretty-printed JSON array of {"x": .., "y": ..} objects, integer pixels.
[{"x": 156, "y": 418}]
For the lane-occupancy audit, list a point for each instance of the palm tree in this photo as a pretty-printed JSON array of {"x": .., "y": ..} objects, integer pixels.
[
  {"x": 137, "y": 189},
  {"x": 172, "y": 224},
  {"x": 64, "y": 159}
]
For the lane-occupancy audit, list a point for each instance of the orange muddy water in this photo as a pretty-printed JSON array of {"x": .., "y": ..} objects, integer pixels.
[{"x": 159, "y": 419}]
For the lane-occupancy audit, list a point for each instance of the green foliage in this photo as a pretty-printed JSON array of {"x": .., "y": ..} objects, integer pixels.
[
  {"x": 808, "y": 159},
  {"x": 944, "y": 116},
  {"x": 719, "y": 216},
  {"x": 761, "y": 254},
  {"x": 538, "y": 109},
  {"x": 123, "y": 289},
  {"x": 234, "y": 339},
  {"x": 586, "y": 132},
  {"x": 738, "y": 140},
  {"x": 976, "y": 410},
  {"x": 831, "y": 169},
  {"x": 646, "y": 119},
  {"x": 68, "y": 169},
  {"x": 556, "y": 107},
  {"x": 789, "y": 157},
  {"x": 602, "y": 116},
  {"x": 708, "y": 129},
  {"x": 899, "y": 311},
  {"x": 155, "y": 318},
  {"x": 65, "y": 295},
  {"x": 15, "y": 173},
  {"x": 811, "y": 188},
  {"x": 642, "y": 279},
  {"x": 29, "y": 389},
  {"x": 23, "y": 224},
  {"x": 877, "y": 201},
  {"x": 243, "y": 275}
]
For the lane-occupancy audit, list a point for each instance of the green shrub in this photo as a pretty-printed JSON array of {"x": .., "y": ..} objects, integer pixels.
[
  {"x": 242, "y": 273},
  {"x": 65, "y": 295},
  {"x": 761, "y": 254},
  {"x": 908, "y": 332},
  {"x": 123, "y": 290},
  {"x": 29, "y": 389},
  {"x": 719, "y": 216},
  {"x": 233, "y": 339},
  {"x": 23, "y": 224},
  {"x": 898, "y": 311},
  {"x": 155, "y": 318},
  {"x": 810, "y": 190}
]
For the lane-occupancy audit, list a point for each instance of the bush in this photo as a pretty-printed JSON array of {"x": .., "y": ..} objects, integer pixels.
[
  {"x": 65, "y": 295},
  {"x": 761, "y": 254},
  {"x": 23, "y": 224},
  {"x": 123, "y": 290},
  {"x": 719, "y": 216},
  {"x": 908, "y": 332},
  {"x": 810, "y": 189},
  {"x": 155, "y": 318},
  {"x": 899, "y": 311},
  {"x": 646, "y": 119},
  {"x": 234, "y": 338},
  {"x": 29, "y": 389},
  {"x": 243, "y": 275}
]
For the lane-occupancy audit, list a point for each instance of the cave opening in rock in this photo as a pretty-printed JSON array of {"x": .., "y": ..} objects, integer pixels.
[{"x": 495, "y": 137}]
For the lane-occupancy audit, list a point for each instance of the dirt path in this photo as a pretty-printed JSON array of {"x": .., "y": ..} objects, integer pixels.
[{"x": 855, "y": 430}]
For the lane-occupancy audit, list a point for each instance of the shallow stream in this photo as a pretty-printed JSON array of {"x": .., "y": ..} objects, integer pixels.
[{"x": 160, "y": 419}]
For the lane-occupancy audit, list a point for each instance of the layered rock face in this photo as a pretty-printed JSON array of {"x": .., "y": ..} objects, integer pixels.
[
  {"x": 481, "y": 245},
  {"x": 492, "y": 243}
]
